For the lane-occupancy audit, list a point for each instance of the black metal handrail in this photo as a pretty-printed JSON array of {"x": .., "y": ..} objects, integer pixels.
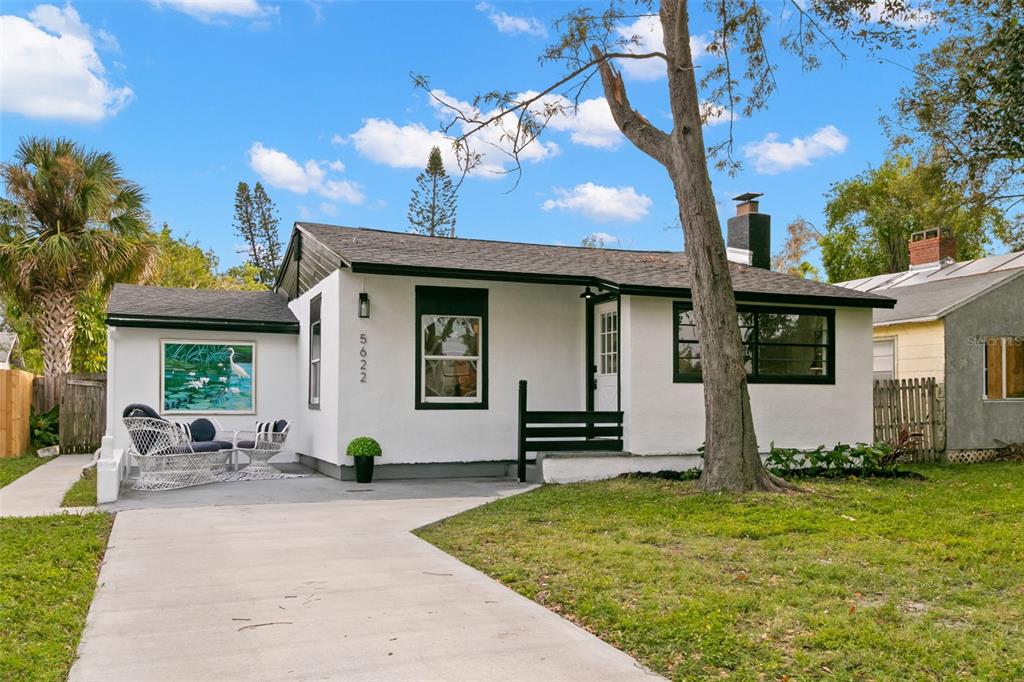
[{"x": 565, "y": 431}]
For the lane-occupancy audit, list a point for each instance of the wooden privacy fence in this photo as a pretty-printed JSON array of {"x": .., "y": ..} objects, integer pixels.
[
  {"x": 913, "y": 403},
  {"x": 83, "y": 412},
  {"x": 15, "y": 400},
  {"x": 46, "y": 392}
]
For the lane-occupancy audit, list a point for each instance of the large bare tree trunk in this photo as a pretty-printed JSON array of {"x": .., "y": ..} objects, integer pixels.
[
  {"x": 731, "y": 459},
  {"x": 55, "y": 324}
]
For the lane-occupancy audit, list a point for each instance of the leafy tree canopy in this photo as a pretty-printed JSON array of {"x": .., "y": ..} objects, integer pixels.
[
  {"x": 965, "y": 105},
  {"x": 869, "y": 218}
]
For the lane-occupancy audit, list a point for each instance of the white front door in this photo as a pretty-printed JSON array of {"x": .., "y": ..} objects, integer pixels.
[{"x": 606, "y": 356}]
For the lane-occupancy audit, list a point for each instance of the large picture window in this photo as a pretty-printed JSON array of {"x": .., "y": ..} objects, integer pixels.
[
  {"x": 451, "y": 347},
  {"x": 1004, "y": 368},
  {"x": 314, "y": 352},
  {"x": 780, "y": 345}
]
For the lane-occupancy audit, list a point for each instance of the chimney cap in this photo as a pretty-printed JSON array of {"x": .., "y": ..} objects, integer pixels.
[{"x": 748, "y": 196}]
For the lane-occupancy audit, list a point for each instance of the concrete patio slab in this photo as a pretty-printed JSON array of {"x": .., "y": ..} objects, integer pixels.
[
  {"x": 40, "y": 491},
  {"x": 336, "y": 590}
]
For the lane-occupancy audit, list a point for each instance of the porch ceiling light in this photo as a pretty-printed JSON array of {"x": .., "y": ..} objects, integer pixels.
[
  {"x": 587, "y": 294},
  {"x": 364, "y": 304}
]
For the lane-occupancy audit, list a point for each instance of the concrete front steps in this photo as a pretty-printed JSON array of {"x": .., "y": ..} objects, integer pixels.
[{"x": 572, "y": 467}]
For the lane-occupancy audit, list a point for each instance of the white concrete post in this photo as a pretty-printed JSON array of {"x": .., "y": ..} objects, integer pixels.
[{"x": 108, "y": 471}]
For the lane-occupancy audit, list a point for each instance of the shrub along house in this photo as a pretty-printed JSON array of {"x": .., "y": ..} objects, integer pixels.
[
  {"x": 963, "y": 324},
  {"x": 421, "y": 342}
]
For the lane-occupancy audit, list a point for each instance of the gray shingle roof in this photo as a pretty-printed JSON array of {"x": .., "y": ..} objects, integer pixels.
[
  {"x": 623, "y": 269},
  {"x": 931, "y": 293},
  {"x": 194, "y": 305}
]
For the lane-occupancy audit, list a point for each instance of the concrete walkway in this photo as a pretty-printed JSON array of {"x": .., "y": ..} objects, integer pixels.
[
  {"x": 40, "y": 491},
  {"x": 335, "y": 590}
]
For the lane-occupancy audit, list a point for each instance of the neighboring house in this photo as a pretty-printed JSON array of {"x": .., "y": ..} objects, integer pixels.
[
  {"x": 10, "y": 351},
  {"x": 420, "y": 342},
  {"x": 962, "y": 323}
]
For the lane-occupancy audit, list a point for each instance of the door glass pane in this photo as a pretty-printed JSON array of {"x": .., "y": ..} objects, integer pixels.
[{"x": 608, "y": 343}]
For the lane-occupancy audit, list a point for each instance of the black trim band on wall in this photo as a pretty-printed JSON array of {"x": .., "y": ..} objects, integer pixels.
[
  {"x": 151, "y": 322},
  {"x": 829, "y": 378},
  {"x": 452, "y": 301}
]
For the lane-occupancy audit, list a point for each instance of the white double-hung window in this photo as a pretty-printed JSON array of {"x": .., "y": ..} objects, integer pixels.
[{"x": 451, "y": 348}]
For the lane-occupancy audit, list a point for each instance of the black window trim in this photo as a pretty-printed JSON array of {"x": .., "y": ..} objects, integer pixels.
[
  {"x": 457, "y": 301},
  {"x": 318, "y": 302},
  {"x": 829, "y": 378}
]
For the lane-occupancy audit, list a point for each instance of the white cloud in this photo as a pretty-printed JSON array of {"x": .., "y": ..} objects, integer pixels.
[
  {"x": 328, "y": 209},
  {"x": 601, "y": 203},
  {"x": 407, "y": 146},
  {"x": 386, "y": 142},
  {"x": 209, "y": 11},
  {"x": 914, "y": 18},
  {"x": 713, "y": 114},
  {"x": 278, "y": 169},
  {"x": 647, "y": 36},
  {"x": 770, "y": 156},
  {"x": 49, "y": 67},
  {"x": 511, "y": 24},
  {"x": 591, "y": 124}
]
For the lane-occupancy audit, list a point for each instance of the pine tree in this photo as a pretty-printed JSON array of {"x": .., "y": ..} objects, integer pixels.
[
  {"x": 265, "y": 212},
  {"x": 433, "y": 203},
  {"x": 256, "y": 222},
  {"x": 245, "y": 222}
]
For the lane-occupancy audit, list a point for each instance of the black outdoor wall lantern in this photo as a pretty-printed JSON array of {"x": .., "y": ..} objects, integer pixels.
[{"x": 364, "y": 304}]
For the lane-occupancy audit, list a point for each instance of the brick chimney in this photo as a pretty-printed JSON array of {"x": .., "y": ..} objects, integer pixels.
[
  {"x": 928, "y": 248},
  {"x": 749, "y": 233}
]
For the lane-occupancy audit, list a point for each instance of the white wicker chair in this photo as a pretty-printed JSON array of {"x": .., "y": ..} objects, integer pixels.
[
  {"x": 166, "y": 458},
  {"x": 260, "y": 447}
]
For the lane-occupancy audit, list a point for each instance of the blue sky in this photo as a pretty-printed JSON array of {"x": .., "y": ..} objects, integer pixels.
[{"x": 314, "y": 99}]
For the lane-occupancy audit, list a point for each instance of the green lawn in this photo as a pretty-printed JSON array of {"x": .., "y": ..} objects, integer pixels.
[
  {"x": 893, "y": 579},
  {"x": 83, "y": 492},
  {"x": 48, "y": 567},
  {"x": 15, "y": 467}
]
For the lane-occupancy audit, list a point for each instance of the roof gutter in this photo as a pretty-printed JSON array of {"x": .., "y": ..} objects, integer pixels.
[
  {"x": 585, "y": 280},
  {"x": 203, "y": 324}
]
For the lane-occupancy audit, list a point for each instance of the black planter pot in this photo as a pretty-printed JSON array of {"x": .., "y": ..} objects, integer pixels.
[{"x": 364, "y": 469}]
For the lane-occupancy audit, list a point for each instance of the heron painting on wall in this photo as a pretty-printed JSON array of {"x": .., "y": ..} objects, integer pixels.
[{"x": 208, "y": 377}]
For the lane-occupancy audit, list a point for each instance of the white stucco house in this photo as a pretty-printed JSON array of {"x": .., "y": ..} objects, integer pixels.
[{"x": 420, "y": 342}]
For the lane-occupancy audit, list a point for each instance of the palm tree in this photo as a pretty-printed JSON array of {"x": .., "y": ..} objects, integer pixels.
[{"x": 70, "y": 226}]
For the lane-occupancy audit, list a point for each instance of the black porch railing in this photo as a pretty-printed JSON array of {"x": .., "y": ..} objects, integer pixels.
[{"x": 564, "y": 431}]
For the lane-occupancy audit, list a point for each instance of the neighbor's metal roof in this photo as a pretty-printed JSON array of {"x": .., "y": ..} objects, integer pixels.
[{"x": 931, "y": 293}]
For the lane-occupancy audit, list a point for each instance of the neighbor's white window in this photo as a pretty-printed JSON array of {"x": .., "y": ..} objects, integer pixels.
[
  {"x": 885, "y": 359},
  {"x": 451, "y": 358},
  {"x": 1004, "y": 368}
]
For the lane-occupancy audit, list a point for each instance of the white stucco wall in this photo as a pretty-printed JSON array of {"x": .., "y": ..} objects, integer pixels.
[
  {"x": 666, "y": 417},
  {"x": 535, "y": 332},
  {"x": 316, "y": 430},
  {"x": 133, "y": 375}
]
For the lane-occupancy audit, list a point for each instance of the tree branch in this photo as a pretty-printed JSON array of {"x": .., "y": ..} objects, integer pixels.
[{"x": 637, "y": 129}]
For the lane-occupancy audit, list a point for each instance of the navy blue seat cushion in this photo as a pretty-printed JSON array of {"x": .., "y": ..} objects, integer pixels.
[
  {"x": 206, "y": 446},
  {"x": 247, "y": 444},
  {"x": 140, "y": 410},
  {"x": 203, "y": 430}
]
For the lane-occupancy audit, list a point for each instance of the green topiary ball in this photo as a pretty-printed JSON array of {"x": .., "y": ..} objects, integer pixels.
[{"x": 364, "y": 446}]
